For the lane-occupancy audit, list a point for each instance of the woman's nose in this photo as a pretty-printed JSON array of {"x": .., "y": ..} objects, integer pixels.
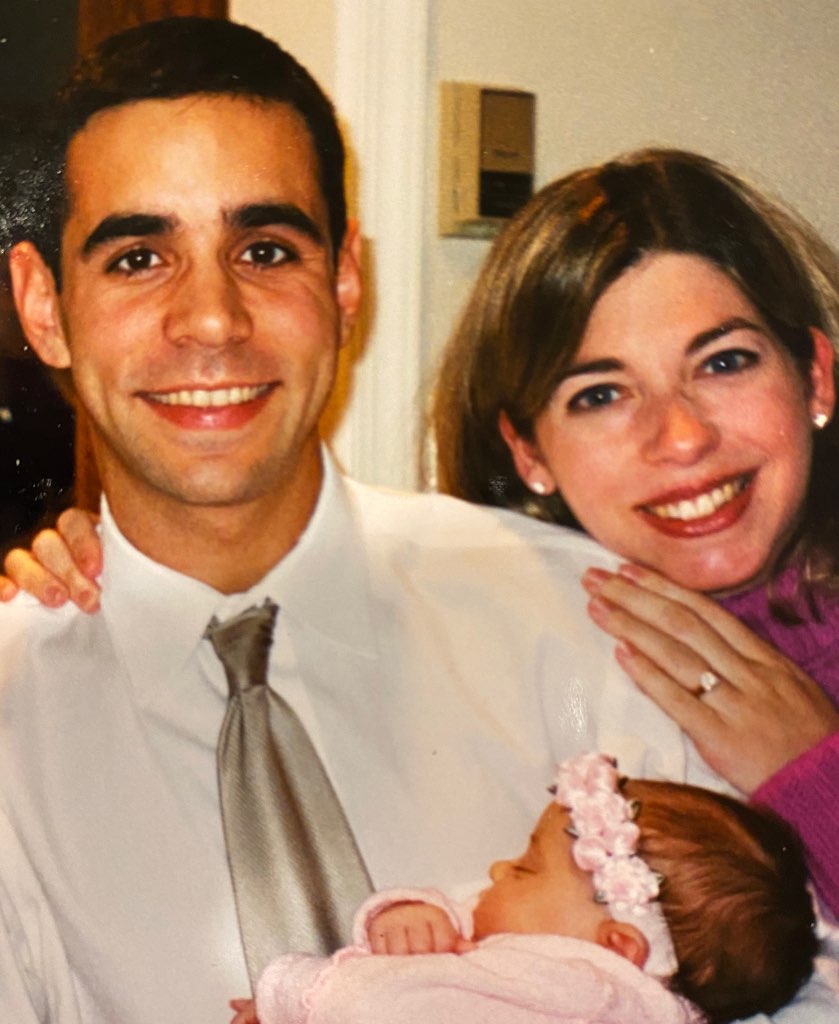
[{"x": 677, "y": 431}]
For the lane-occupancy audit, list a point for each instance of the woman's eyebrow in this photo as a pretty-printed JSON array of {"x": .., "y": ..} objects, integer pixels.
[
  {"x": 734, "y": 323},
  {"x": 593, "y": 366}
]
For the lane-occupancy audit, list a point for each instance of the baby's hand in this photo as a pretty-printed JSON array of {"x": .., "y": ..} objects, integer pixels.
[
  {"x": 415, "y": 928},
  {"x": 245, "y": 1011}
]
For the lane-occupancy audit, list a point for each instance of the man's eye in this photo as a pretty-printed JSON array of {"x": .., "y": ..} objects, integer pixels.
[
  {"x": 266, "y": 254},
  {"x": 731, "y": 360},
  {"x": 134, "y": 261},
  {"x": 594, "y": 397}
]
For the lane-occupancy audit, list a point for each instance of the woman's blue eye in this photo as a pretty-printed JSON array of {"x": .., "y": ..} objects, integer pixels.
[
  {"x": 266, "y": 254},
  {"x": 732, "y": 360},
  {"x": 594, "y": 397}
]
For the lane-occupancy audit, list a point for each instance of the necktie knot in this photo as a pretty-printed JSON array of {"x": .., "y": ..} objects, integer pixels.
[{"x": 242, "y": 645}]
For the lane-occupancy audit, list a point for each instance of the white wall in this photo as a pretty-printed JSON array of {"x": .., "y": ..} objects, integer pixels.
[{"x": 751, "y": 82}]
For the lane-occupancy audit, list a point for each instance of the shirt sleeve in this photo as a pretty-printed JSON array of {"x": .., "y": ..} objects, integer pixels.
[
  {"x": 36, "y": 985},
  {"x": 459, "y": 914},
  {"x": 805, "y": 793}
]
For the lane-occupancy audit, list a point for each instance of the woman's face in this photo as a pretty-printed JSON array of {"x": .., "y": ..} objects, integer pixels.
[{"x": 681, "y": 435}]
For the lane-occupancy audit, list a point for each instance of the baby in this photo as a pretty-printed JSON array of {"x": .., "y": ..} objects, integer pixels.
[{"x": 635, "y": 903}]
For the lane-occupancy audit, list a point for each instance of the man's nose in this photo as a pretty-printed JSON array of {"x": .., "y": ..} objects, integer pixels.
[
  {"x": 676, "y": 430},
  {"x": 207, "y": 308}
]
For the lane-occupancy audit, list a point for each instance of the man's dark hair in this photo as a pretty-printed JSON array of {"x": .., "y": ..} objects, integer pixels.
[{"x": 178, "y": 57}]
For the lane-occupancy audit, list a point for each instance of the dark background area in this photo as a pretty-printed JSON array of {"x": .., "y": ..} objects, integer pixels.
[
  {"x": 37, "y": 45},
  {"x": 46, "y": 458}
]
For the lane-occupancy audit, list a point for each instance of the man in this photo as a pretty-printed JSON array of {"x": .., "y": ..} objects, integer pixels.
[{"x": 198, "y": 286}]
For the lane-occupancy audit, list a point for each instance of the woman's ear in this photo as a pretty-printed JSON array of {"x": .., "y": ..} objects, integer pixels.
[
  {"x": 822, "y": 379},
  {"x": 526, "y": 458},
  {"x": 624, "y": 939},
  {"x": 36, "y": 299}
]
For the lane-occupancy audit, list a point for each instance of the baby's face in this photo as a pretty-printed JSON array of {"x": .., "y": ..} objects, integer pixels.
[{"x": 543, "y": 891}]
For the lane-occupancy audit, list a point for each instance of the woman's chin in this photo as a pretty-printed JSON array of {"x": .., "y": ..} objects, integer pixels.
[{"x": 717, "y": 575}]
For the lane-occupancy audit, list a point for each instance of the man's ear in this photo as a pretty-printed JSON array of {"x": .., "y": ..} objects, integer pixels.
[
  {"x": 625, "y": 940},
  {"x": 822, "y": 379},
  {"x": 36, "y": 299},
  {"x": 526, "y": 458},
  {"x": 348, "y": 284}
]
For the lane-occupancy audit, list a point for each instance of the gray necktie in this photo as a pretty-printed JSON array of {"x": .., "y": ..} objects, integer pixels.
[{"x": 297, "y": 872}]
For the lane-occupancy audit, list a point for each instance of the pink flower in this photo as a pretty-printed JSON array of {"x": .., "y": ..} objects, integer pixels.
[
  {"x": 583, "y": 775},
  {"x": 599, "y": 812},
  {"x": 589, "y": 853},
  {"x": 626, "y": 883}
]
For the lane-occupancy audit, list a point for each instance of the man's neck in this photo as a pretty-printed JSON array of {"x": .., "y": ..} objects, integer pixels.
[{"x": 229, "y": 547}]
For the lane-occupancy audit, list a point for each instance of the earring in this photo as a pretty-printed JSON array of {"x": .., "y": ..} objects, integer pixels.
[
  {"x": 820, "y": 420},
  {"x": 537, "y": 487}
]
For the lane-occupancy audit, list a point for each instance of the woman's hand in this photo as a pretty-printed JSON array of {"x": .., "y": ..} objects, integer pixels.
[
  {"x": 62, "y": 565},
  {"x": 748, "y": 709}
]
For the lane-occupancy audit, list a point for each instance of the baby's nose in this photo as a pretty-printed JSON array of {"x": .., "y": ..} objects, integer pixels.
[{"x": 498, "y": 870}]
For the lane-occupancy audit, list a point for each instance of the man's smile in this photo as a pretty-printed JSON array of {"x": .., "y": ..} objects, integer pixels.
[{"x": 203, "y": 398}]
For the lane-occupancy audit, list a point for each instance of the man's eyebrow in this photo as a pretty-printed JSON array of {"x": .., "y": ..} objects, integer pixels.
[
  {"x": 126, "y": 225},
  {"x": 261, "y": 215},
  {"x": 734, "y": 323}
]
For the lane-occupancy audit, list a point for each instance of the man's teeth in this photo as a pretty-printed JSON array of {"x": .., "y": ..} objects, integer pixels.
[
  {"x": 203, "y": 399},
  {"x": 701, "y": 506}
]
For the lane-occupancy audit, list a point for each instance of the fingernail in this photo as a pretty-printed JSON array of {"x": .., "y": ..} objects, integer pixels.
[
  {"x": 597, "y": 610},
  {"x": 630, "y": 571},
  {"x": 88, "y": 599},
  {"x": 624, "y": 651},
  {"x": 593, "y": 579},
  {"x": 90, "y": 568},
  {"x": 7, "y": 592},
  {"x": 55, "y": 597}
]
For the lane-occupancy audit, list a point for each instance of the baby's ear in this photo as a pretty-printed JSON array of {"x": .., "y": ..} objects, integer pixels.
[{"x": 625, "y": 940}]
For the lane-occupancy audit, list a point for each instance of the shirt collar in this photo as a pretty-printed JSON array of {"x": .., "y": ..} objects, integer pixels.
[{"x": 157, "y": 617}]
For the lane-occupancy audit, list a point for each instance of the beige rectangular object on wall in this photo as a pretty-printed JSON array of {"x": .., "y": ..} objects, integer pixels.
[{"x": 487, "y": 148}]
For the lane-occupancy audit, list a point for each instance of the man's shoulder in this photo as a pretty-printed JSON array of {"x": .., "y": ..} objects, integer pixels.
[
  {"x": 31, "y": 633},
  {"x": 449, "y": 526},
  {"x": 24, "y": 617}
]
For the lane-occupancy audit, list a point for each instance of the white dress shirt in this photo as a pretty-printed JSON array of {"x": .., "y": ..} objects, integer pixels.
[{"x": 440, "y": 656}]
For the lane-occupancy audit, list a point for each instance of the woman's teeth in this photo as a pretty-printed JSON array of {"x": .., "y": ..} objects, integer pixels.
[{"x": 701, "y": 506}]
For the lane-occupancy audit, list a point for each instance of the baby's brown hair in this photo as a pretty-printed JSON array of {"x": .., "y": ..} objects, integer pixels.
[{"x": 734, "y": 896}]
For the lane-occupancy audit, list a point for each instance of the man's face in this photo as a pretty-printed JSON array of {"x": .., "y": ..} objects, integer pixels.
[{"x": 202, "y": 305}]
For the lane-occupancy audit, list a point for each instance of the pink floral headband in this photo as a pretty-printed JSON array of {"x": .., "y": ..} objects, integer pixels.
[{"x": 605, "y": 843}]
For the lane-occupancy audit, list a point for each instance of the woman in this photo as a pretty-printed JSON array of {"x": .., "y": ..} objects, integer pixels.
[{"x": 646, "y": 357}]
